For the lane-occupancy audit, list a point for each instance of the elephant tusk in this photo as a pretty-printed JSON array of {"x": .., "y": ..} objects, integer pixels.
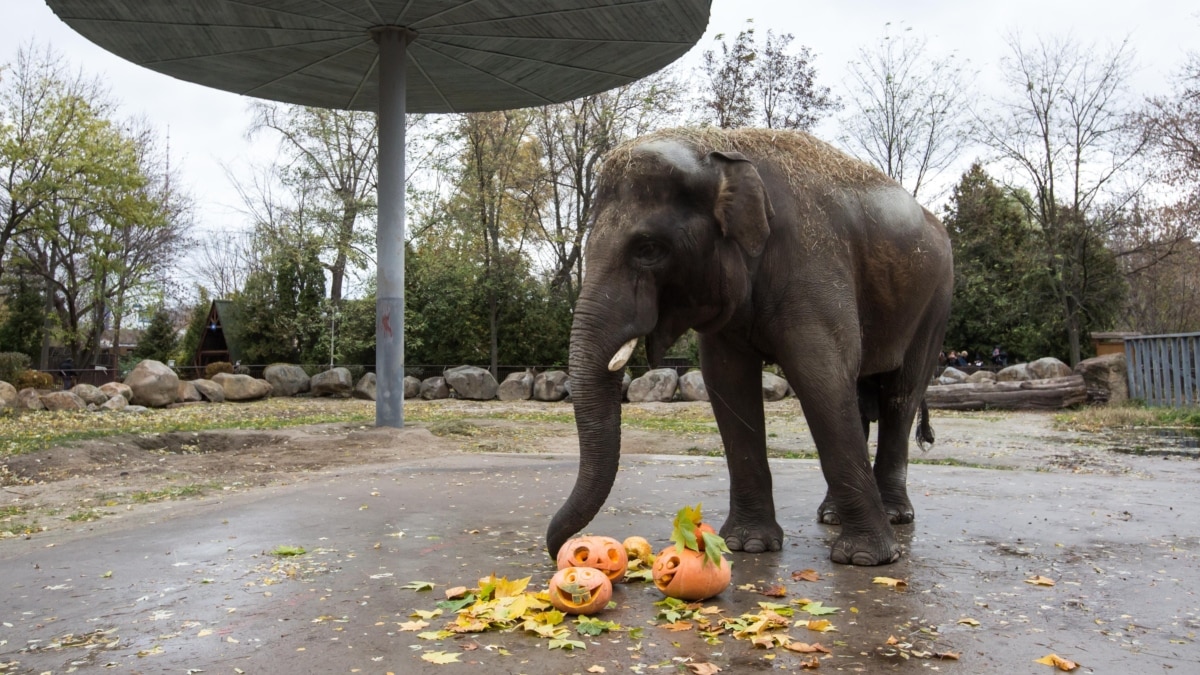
[{"x": 622, "y": 356}]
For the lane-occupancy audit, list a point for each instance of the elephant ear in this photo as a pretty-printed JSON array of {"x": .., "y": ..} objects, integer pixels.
[{"x": 742, "y": 206}]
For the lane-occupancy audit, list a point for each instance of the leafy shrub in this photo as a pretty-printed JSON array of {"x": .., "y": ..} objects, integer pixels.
[
  {"x": 11, "y": 365},
  {"x": 217, "y": 367},
  {"x": 356, "y": 372},
  {"x": 32, "y": 378}
]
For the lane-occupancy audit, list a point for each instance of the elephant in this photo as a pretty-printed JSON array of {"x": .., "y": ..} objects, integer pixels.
[{"x": 776, "y": 248}]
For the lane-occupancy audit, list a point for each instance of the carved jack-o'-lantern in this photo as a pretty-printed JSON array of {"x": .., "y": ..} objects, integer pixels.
[
  {"x": 638, "y": 548},
  {"x": 688, "y": 575},
  {"x": 602, "y": 553},
  {"x": 580, "y": 590}
]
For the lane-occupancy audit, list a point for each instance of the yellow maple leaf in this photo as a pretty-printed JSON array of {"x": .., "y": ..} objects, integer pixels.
[
  {"x": 678, "y": 626},
  {"x": 898, "y": 584},
  {"x": 1057, "y": 661},
  {"x": 969, "y": 622},
  {"x": 819, "y": 625},
  {"x": 441, "y": 658},
  {"x": 508, "y": 589},
  {"x": 805, "y": 648},
  {"x": 456, "y": 592},
  {"x": 413, "y": 625},
  {"x": 1039, "y": 580}
]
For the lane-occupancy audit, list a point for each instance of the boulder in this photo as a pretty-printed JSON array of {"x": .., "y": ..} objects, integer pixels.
[
  {"x": 1015, "y": 373},
  {"x": 952, "y": 375},
  {"x": 1047, "y": 368},
  {"x": 242, "y": 387},
  {"x": 89, "y": 394},
  {"x": 516, "y": 387},
  {"x": 30, "y": 399},
  {"x": 656, "y": 385},
  {"x": 774, "y": 387},
  {"x": 63, "y": 400},
  {"x": 1106, "y": 377},
  {"x": 626, "y": 380},
  {"x": 980, "y": 376},
  {"x": 550, "y": 386},
  {"x": 286, "y": 379},
  {"x": 412, "y": 386},
  {"x": 188, "y": 393},
  {"x": 115, "y": 404},
  {"x": 135, "y": 409},
  {"x": 691, "y": 386},
  {"x": 471, "y": 382},
  {"x": 332, "y": 382},
  {"x": 211, "y": 391},
  {"x": 112, "y": 389},
  {"x": 365, "y": 389},
  {"x": 434, "y": 388},
  {"x": 153, "y": 384},
  {"x": 8, "y": 395}
]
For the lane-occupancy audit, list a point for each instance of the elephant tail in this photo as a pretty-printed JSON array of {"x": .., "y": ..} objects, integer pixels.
[{"x": 924, "y": 431}]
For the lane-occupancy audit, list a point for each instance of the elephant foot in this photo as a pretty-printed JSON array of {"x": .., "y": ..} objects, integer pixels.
[
  {"x": 865, "y": 550},
  {"x": 827, "y": 513},
  {"x": 752, "y": 537},
  {"x": 898, "y": 513}
]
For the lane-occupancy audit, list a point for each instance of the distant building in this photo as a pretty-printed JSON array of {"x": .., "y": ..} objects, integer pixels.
[{"x": 217, "y": 342}]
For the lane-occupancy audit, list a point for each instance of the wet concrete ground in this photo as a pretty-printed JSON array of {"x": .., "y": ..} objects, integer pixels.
[{"x": 193, "y": 589}]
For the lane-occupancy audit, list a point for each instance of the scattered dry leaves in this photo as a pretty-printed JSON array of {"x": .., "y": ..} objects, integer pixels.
[{"x": 1057, "y": 661}]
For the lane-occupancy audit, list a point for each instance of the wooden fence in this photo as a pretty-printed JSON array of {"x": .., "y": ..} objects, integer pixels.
[{"x": 1164, "y": 370}]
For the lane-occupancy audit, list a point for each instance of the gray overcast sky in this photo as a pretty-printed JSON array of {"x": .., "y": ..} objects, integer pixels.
[{"x": 207, "y": 126}]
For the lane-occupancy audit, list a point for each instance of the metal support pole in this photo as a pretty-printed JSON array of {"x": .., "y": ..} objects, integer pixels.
[{"x": 389, "y": 298}]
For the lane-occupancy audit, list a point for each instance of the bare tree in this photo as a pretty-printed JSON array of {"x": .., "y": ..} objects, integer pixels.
[
  {"x": 763, "y": 84},
  {"x": 908, "y": 112},
  {"x": 574, "y": 137},
  {"x": 1066, "y": 131}
]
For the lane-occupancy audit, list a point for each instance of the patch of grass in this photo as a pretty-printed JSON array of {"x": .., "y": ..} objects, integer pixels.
[
  {"x": 453, "y": 427},
  {"x": 1131, "y": 415},
  {"x": 173, "y": 492},
  {"x": 12, "y": 511},
  {"x": 86, "y": 516}
]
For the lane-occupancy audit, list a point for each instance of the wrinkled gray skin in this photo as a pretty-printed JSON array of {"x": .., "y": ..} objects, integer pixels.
[{"x": 844, "y": 281}]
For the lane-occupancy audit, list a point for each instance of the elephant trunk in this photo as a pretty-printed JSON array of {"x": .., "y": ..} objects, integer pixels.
[{"x": 596, "y": 394}]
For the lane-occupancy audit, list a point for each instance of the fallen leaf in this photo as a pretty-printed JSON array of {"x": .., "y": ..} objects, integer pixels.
[
  {"x": 419, "y": 586},
  {"x": 817, "y": 609},
  {"x": 456, "y": 592},
  {"x": 948, "y": 656},
  {"x": 678, "y": 626},
  {"x": 819, "y": 625},
  {"x": 703, "y": 668},
  {"x": 810, "y": 664},
  {"x": 204, "y": 633},
  {"x": 892, "y": 640},
  {"x": 898, "y": 584},
  {"x": 806, "y": 575},
  {"x": 1057, "y": 661},
  {"x": 969, "y": 622},
  {"x": 414, "y": 625},
  {"x": 1040, "y": 580},
  {"x": 597, "y": 669},
  {"x": 805, "y": 648},
  {"x": 441, "y": 658},
  {"x": 774, "y": 591}
]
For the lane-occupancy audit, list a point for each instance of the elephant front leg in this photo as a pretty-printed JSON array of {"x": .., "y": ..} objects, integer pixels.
[
  {"x": 733, "y": 378},
  {"x": 832, "y": 411}
]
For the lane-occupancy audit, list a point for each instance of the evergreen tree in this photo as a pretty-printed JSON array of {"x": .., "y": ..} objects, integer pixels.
[
  {"x": 24, "y": 312},
  {"x": 190, "y": 343},
  {"x": 159, "y": 340}
]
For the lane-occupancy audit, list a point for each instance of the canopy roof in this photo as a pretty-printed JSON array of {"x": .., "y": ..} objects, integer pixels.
[{"x": 468, "y": 55}]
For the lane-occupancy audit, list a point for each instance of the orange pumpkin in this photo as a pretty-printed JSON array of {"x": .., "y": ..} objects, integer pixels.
[
  {"x": 700, "y": 529},
  {"x": 602, "y": 553},
  {"x": 638, "y": 548},
  {"x": 688, "y": 575},
  {"x": 580, "y": 590}
]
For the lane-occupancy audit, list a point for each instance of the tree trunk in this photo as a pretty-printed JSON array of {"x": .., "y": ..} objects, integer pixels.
[{"x": 1052, "y": 394}]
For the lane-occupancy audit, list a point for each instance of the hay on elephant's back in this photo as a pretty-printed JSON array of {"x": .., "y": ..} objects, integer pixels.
[{"x": 803, "y": 158}]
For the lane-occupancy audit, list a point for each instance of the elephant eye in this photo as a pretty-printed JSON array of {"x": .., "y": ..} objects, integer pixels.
[{"x": 649, "y": 252}]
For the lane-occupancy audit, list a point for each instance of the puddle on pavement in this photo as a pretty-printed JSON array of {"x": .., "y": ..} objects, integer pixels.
[{"x": 1158, "y": 442}]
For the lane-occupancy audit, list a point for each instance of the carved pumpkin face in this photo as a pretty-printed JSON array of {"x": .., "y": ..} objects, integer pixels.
[
  {"x": 601, "y": 553},
  {"x": 580, "y": 590},
  {"x": 687, "y": 575}
]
